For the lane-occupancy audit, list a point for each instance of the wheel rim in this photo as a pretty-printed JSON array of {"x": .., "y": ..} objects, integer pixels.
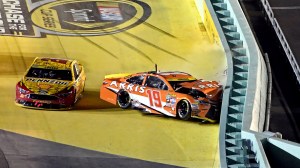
[{"x": 183, "y": 109}]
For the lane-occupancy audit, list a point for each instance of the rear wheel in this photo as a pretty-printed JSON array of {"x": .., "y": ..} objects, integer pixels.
[
  {"x": 183, "y": 110},
  {"x": 123, "y": 99}
]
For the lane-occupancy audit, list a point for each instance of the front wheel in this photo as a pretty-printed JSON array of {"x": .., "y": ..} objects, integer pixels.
[
  {"x": 123, "y": 99},
  {"x": 183, "y": 110}
]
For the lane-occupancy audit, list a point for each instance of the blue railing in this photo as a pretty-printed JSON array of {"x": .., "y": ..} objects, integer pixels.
[{"x": 282, "y": 39}]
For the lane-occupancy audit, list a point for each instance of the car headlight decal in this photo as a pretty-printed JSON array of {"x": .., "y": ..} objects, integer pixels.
[
  {"x": 21, "y": 88},
  {"x": 22, "y": 91}
]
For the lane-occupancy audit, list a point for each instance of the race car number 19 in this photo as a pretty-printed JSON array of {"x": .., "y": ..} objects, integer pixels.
[{"x": 154, "y": 97}]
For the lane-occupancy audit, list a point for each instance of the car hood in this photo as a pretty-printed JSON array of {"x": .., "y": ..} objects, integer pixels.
[
  {"x": 46, "y": 86},
  {"x": 207, "y": 87}
]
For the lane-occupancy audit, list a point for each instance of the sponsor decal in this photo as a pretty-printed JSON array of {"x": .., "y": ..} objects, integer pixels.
[
  {"x": 52, "y": 81},
  {"x": 36, "y": 18},
  {"x": 208, "y": 85},
  {"x": 171, "y": 100},
  {"x": 136, "y": 103},
  {"x": 181, "y": 79},
  {"x": 22, "y": 96},
  {"x": 129, "y": 87},
  {"x": 44, "y": 86},
  {"x": 41, "y": 101}
]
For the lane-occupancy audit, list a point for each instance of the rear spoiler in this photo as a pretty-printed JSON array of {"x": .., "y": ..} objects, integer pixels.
[{"x": 120, "y": 75}]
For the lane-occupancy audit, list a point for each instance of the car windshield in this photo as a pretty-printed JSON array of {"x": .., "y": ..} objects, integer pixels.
[
  {"x": 177, "y": 84},
  {"x": 50, "y": 74}
]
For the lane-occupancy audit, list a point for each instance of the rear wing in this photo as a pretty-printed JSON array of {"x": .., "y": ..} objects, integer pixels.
[{"x": 120, "y": 75}]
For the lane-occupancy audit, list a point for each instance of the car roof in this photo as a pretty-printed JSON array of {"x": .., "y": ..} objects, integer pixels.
[
  {"x": 52, "y": 63},
  {"x": 172, "y": 75}
]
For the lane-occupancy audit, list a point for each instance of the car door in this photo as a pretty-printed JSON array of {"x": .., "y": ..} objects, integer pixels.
[
  {"x": 79, "y": 82},
  {"x": 82, "y": 76},
  {"x": 156, "y": 91}
]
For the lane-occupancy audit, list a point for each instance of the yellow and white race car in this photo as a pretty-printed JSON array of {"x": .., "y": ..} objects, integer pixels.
[{"x": 51, "y": 83}]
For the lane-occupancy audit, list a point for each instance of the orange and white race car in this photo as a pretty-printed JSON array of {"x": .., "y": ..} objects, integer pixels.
[
  {"x": 51, "y": 83},
  {"x": 175, "y": 94}
]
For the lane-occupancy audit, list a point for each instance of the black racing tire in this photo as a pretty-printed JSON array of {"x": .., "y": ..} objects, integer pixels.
[
  {"x": 183, "y": 109},
  {"x": 123, "y": 99}
]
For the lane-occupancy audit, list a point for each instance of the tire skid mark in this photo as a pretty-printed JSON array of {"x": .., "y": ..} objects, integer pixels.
[
  {"x": 158, "y": 29},
  {"x": 11, "y": 57},
  {"x": 133, "y": 48},
  {"x": 144, "y": 22},
  {"x": 98, "y": 46},
  {"x": 3, "y": 160},
  {"x": 155, "y": 46},
  {"x": 93, "y": 43},
  {"x": 17, "y": 59}
]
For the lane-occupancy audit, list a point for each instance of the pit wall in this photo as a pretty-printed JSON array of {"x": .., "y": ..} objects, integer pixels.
[
  {"x": 255, "y": 102},
  {"x": 242, "y": 140}
]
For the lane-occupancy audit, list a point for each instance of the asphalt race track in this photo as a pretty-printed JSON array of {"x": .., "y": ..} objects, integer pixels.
[{"x": 136, "y": 36}]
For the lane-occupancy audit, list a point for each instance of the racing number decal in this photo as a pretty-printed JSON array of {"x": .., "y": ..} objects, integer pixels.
[{"x": 154, "y": 97}]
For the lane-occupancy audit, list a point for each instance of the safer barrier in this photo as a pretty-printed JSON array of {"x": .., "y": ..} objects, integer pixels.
[
  {"x": 242, "y": 141},
  {"x": 244, "y": 99}
]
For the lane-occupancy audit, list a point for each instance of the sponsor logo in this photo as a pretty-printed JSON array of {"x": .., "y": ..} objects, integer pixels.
[
  {"x": 171, "y": 100},
  {"x": 128, "y": 87},
  {"x": 41, "y": 101},
  {"x": 208, "y": 85},
  {"x": 35, "y": 18},
  {"x": 52, "y": 81}
]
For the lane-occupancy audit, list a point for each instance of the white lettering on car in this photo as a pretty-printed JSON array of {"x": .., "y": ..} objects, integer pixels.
[
  {"x": 122, "y": 85},
  {"x": 136, "y": 88},
  {"x": 142, "y": 89},
  {"x": 129, "y": 87},
  {"x": 208, "y": 85},
  {"x": 114, "y": 83}
]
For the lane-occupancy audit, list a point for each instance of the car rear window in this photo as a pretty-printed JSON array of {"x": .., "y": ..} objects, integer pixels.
[
  {"x": 136, "y": 80},
  {"x": 49, "y": 74}
]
